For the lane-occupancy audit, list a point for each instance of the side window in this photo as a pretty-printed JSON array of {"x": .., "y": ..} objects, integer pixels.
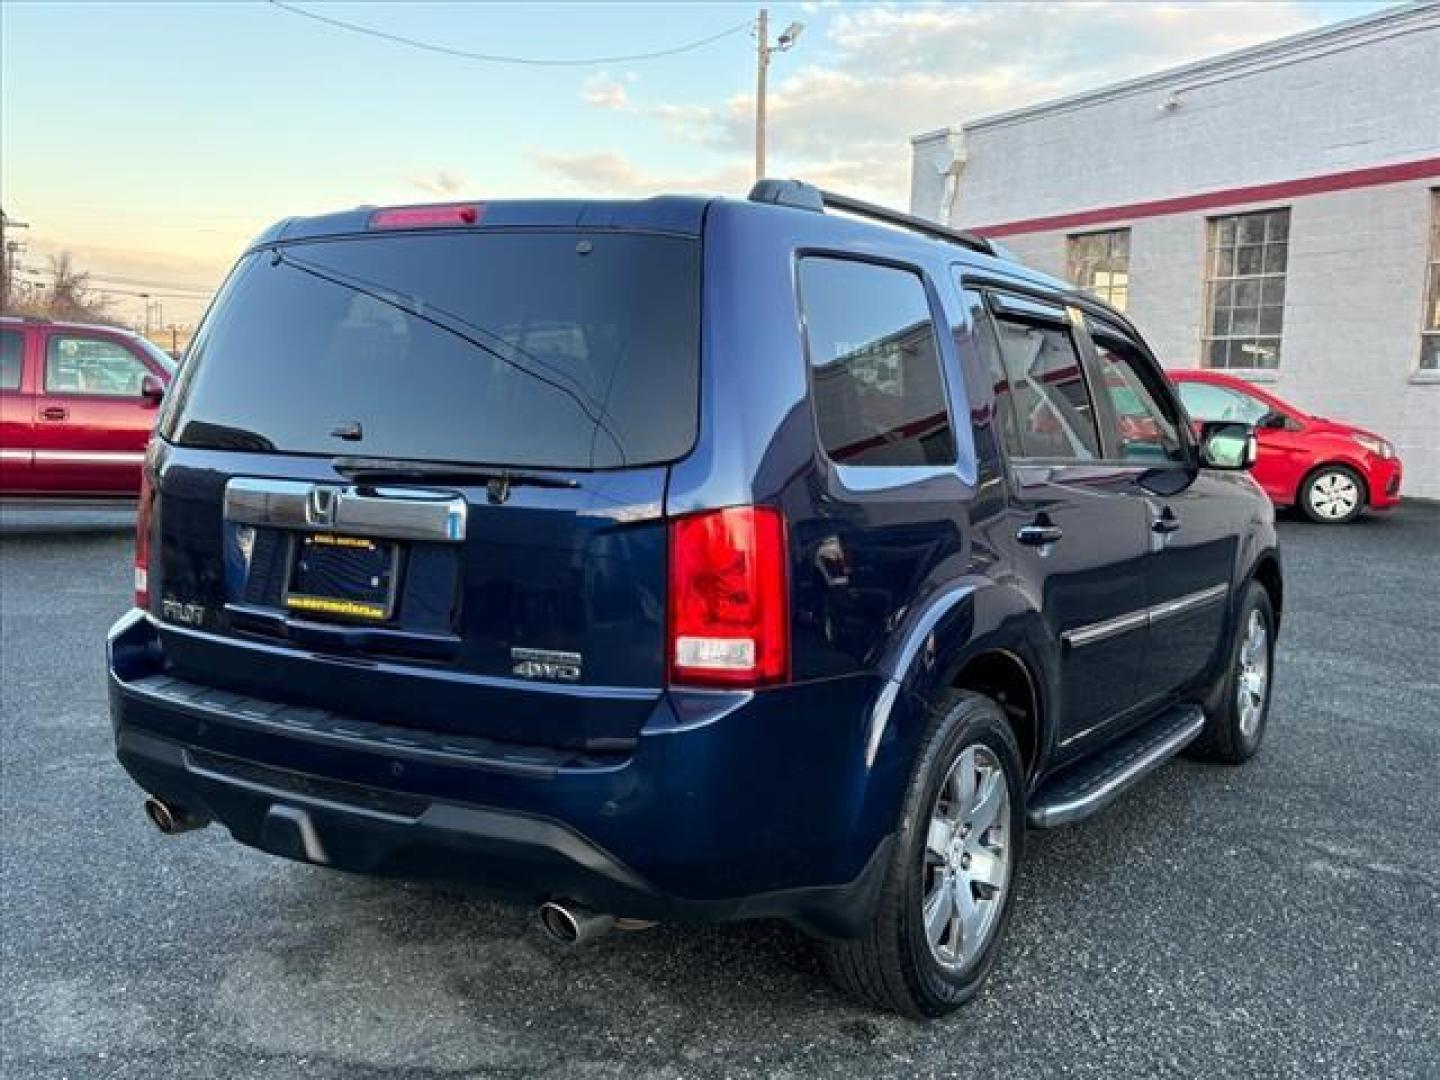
[
  {"x": 86, "y": 365},
  {"x": 1053, "y": 410},
  {"x": 874, "y": 368},
  {"x": 1204, "y": 401},
  {"x": 1144, "y": 428},
  {"x": 989, "y": 347},
  {"x": 12, "y": 353}
]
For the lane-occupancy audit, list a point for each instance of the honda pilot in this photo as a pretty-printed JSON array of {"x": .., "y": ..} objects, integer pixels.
[{"x": 683, "y": 560}]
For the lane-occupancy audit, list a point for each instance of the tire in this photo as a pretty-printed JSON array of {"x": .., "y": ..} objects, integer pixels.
[
  {"x": 1332, "y": 495},
  {"x": 894, "y": 966},
  {"x": 1234, "y": 729}
]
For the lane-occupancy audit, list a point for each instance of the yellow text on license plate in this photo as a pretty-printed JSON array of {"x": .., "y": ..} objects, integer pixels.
[
  {"x": 355, "y": 608},
  {"x": 331, "y": 540}
]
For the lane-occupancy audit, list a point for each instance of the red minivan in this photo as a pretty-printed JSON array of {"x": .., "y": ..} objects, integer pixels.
[
  {"x": 77, "y": 403},
  {"x": 1331, "y": 470}
]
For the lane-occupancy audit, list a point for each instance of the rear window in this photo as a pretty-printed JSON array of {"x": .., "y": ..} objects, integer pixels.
[{"x": 544, "y": 349}]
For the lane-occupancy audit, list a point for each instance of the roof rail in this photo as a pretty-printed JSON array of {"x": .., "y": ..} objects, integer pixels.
[
  {"x": 860, "y": 208},
  {"x": 803, "y": 196}
]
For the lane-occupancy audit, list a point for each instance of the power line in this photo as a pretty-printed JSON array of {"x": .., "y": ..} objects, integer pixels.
[
  {"x": 493, "y": 58},
  {"x": 149, "y": 293},
  {"x": 141, "y": 283},
  {"x": 38, "y": 278}
]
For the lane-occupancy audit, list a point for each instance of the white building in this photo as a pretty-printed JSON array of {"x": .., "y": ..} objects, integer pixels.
[{"x": 1275, "y": 211}]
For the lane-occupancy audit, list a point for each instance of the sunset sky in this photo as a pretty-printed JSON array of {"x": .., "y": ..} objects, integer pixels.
[{"x": 153, "y": 140}]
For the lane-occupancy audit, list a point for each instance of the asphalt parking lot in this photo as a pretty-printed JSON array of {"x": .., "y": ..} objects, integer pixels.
[{"x": 1278, "y": 920}]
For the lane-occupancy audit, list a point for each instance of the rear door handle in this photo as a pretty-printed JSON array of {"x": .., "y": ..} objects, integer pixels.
[
  {"x": 1167, "y": 522},
  {"x": 54, "y": 412},
  {"x": 1039, "y": 533}
]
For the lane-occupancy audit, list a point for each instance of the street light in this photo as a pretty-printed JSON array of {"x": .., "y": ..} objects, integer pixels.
[{"x": 784, "y": 43}]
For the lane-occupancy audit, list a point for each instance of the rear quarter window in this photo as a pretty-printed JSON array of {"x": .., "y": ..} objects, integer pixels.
[{"x": 879, "y": 395}]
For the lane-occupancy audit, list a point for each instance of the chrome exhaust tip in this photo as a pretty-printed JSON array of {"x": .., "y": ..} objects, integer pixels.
[
  {"x": 571, "y": 924},
  {"x": 171, "y": 819}
]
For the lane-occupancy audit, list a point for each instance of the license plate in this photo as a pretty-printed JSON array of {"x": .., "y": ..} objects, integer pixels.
[{"x": 343, "y": 577}]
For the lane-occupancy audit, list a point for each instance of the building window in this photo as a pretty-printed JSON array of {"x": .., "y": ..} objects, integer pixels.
[
  {"x": 1430, "y": 328},
  {"x": 1100, "y": 262},
  {"x": 1245, "y": 289}
]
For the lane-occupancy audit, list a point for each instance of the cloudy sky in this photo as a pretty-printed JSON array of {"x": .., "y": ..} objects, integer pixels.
[{"x": 152, "y": 140}]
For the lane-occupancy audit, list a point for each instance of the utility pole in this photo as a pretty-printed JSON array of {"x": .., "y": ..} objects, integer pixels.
[
  {"x": 762, "y": 66},
  {"x": 9, "y": 251},
  {"x": 764, "y": 50}
]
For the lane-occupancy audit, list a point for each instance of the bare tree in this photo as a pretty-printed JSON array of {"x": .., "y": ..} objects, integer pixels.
[{"x": 70, "y": 294}]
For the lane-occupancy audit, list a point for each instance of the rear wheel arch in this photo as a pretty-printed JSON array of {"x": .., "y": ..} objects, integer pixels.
[
  {"x": 1006, "y": 679},
  {"x": 980, "y": 635}
]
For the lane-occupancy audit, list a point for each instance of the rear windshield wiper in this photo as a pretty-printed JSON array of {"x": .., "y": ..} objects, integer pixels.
[{"x": 499, "y": 481}]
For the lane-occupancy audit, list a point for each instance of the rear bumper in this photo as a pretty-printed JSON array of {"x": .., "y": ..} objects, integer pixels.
[{"x": 732, "y": 806}]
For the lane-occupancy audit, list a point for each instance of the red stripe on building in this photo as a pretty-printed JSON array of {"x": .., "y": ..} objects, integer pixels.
[{"x": 1283, "y": 189}]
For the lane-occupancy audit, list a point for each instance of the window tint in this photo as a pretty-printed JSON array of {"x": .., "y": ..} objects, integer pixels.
[
  {"x": 989, "y": 348},
  {"x": 1144, "y": 430},
  {"x": 879, "y": 393},
  {"x": 1205, "y": 401},
  {"x": 543, "y": 349},
  {"x": 1053, "y": 410},
  {"x": 12, "y": 352},
  {"x": 86, "y": 365}
]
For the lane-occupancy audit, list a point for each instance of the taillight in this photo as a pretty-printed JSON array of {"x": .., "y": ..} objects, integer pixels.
[
  {"x": 144, "y": 515},
  {"x": 729, "y": 599},
  {"x": 421, "y": 217}
]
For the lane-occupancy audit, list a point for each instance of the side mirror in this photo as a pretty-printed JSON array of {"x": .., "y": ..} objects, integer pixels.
[
  {"x": 1227, "y": 445},
  {"x": 1273, "y": 421},
  {"x": 152, "y": 390}
]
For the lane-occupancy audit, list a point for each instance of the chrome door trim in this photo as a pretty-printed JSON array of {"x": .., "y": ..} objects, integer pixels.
[
  {"x": 1093, "y": 632},
  {"x": 1188, "y": 602},
  {"x": 17, "y": 455},
  {"x": 1149, "y": 616},
  {"x": 393, "y": 513}
]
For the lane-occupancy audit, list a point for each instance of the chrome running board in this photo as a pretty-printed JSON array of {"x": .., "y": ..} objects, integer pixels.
[{"x": 1091, "y": 785}]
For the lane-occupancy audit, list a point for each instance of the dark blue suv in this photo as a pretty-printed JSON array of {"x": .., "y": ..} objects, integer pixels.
[{"x": 683, "y": 560}]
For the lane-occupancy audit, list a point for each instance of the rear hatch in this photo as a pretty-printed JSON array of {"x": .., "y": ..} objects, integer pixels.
[{"x": 417, "y": 477}]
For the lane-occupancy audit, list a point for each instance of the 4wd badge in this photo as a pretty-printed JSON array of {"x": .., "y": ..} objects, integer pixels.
[{"x": 546, "y": 664}]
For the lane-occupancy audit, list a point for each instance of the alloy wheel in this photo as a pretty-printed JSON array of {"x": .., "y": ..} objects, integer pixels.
[
  {"x": 1252, "y": 683},
  {"x": 967, "y": 858}
]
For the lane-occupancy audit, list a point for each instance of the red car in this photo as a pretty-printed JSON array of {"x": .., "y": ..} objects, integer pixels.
[
  {"x": 1331, "y": 471},
  {"x": 77, "y": 403}
]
